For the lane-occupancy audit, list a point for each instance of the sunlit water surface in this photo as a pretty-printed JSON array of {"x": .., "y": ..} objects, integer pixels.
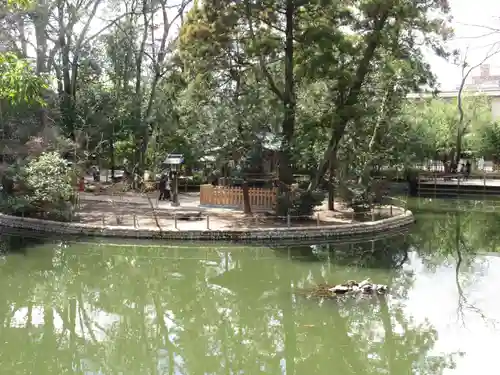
[{"x": 89, "y": 308}]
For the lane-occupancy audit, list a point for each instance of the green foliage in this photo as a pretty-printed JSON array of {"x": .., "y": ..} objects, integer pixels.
[
  {"x": 18, "y": 83},
  {"x": 434, "y": 125},
  {"x": 299, "y": 203},
  {"x": 488, "y": 141},
  {"x": 44, "y": 187},
  {"x": 49, "y": 179},
  {"x": 130, "y": 96}
]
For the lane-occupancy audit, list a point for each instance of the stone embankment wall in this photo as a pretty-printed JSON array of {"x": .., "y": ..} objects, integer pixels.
[{"x": 321, "y": 232}]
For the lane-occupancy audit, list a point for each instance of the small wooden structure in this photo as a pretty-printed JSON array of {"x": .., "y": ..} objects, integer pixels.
[{"x": 232, "y": 197}]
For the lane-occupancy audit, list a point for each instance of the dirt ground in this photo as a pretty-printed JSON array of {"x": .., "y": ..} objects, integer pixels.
[{"x": 144, "y": 211}]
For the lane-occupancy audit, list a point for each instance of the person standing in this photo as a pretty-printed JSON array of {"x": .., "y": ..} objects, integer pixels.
[
  {"x": 162, "y": 187},
  {"x": 168, "y": 187},
  {"x": 468, "y": 167}
]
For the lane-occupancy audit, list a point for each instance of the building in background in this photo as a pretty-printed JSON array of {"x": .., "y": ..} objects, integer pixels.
[
  {"x": 486, "y": 77},
  {"x": 483, "y": 81}
]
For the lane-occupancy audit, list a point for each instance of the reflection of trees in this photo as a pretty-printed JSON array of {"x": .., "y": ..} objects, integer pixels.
[
  {"x": 457, "y": 234},
  {"x": 435, "y": 228},
  {"x": 16, "y": 242},
  {"x": 386, "y": 253},
  {"x": 147, "y": 311}
]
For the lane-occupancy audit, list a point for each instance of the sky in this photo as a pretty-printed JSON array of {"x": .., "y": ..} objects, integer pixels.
[{"x": 472, "y": 21}]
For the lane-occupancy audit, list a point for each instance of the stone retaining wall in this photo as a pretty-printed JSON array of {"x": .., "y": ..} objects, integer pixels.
[{"x": 325, "y": 232}]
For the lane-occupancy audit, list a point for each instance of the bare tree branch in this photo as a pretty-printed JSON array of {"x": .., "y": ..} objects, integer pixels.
[{"x": 466, "y": 71}]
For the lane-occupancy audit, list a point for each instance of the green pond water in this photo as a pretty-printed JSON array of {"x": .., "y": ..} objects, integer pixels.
[{"x": 140, "y": 309}]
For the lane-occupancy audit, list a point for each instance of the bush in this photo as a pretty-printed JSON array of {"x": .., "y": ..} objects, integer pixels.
[
  {"x": 298, "y": 202},
  {"x": 361, "y": 199},
  {"x": 47, "y": 188},
  {"x": 49, "y": 178},
  {"x": 198, "y": 179}
]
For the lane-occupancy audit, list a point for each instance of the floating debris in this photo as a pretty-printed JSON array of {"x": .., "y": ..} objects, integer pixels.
[{"x": 353, "y": 288}]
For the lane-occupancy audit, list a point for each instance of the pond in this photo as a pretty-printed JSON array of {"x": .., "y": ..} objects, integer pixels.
[{"x": 95, "y": 308}]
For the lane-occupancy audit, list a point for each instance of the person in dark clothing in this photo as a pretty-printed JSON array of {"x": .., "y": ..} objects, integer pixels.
[
  {"x": 96, "y": 176},
  {"x": 163, "y": 187},
  {"x": 168, "y": 188},
  {"x": 468, "y": 167}
]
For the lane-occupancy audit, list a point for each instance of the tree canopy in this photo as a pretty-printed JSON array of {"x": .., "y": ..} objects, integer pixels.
[{"x": 124, "y": 84}]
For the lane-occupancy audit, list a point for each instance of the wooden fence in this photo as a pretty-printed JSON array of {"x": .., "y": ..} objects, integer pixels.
[{"x": 225, "y": 196}]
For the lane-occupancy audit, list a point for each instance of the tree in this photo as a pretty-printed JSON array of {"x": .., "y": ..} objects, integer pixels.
[
  {"x": 383, "y": 27},
  {"x": 327, "y": 82},
  {"x": 466, "y": 71},
  {"x": 437, "y": 122},
  {"x": 18, "y": 83}
]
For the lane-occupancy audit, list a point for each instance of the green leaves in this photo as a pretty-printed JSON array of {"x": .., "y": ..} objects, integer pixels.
[
  {"x": 18, "y": 82},
  {"x": 49, "y": 179},
  {"x": 435, "y": 123}
]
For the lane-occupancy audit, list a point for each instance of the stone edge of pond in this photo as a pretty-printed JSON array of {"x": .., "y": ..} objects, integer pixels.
[{"x": 322, "y": 232}]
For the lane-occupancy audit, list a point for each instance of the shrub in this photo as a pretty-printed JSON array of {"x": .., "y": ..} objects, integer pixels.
[
  {"x": 298, "y": 202},
  {"x": 49, "y": 178},
  {"x": 49, "y": 190},
  {"x": 198, "y": 178}
]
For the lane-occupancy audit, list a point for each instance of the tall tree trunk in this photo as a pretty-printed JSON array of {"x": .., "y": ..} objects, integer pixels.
[
  {"x": 285, "y": 170},
  {"x": 331, "y": 189},
  {"x": 247, "y": 208},
  {"x": 70, "y": 66},
  {"x": 112, "y": 153},
  {"x": 287, "y": 96},
  {"x": 365, "y": 178},
  {"x": 158, "y": 60},
  {"x": 66, "y": 99},
  {"x": 344, "y": 107},
  {"x": 40, "y": 21},
  {"x": 141, "y": 131},
  {"x": 22, "y": 35}
]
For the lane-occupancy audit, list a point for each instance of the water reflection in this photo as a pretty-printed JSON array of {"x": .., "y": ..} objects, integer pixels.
[
  {"x": 94, "y": 309},
  {"x": 453, "y": 236},
  {"x": 100, "y": 309}
]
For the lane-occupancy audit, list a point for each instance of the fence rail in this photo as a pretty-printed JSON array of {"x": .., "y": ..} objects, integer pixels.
[
  {"x": 206, "y": 220},
  {"x": 442, "y": 185},
  {"x": 225, "y": 196}
]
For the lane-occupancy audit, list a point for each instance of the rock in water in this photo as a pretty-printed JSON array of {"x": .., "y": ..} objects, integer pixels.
[
  {"x": 380, "y": 289},
  {"x": 351, "y": 288},
  {"x": 364, "y": 282},
  {"x": 339, "y": 289}
]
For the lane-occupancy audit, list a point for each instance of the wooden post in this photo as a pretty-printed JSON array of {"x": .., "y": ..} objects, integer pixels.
[
  {"x": 458, "y": 186},
  {"x": 208, "y": 222},
  {"x": 103, "y": 220},
  {"x": 135, "y": 221},
  {"x": 175, "y": 221},
  {"x": 317, "y": 219},
  {"x": 288, "y": 220},
  {"x": 391, "y": 209}
]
